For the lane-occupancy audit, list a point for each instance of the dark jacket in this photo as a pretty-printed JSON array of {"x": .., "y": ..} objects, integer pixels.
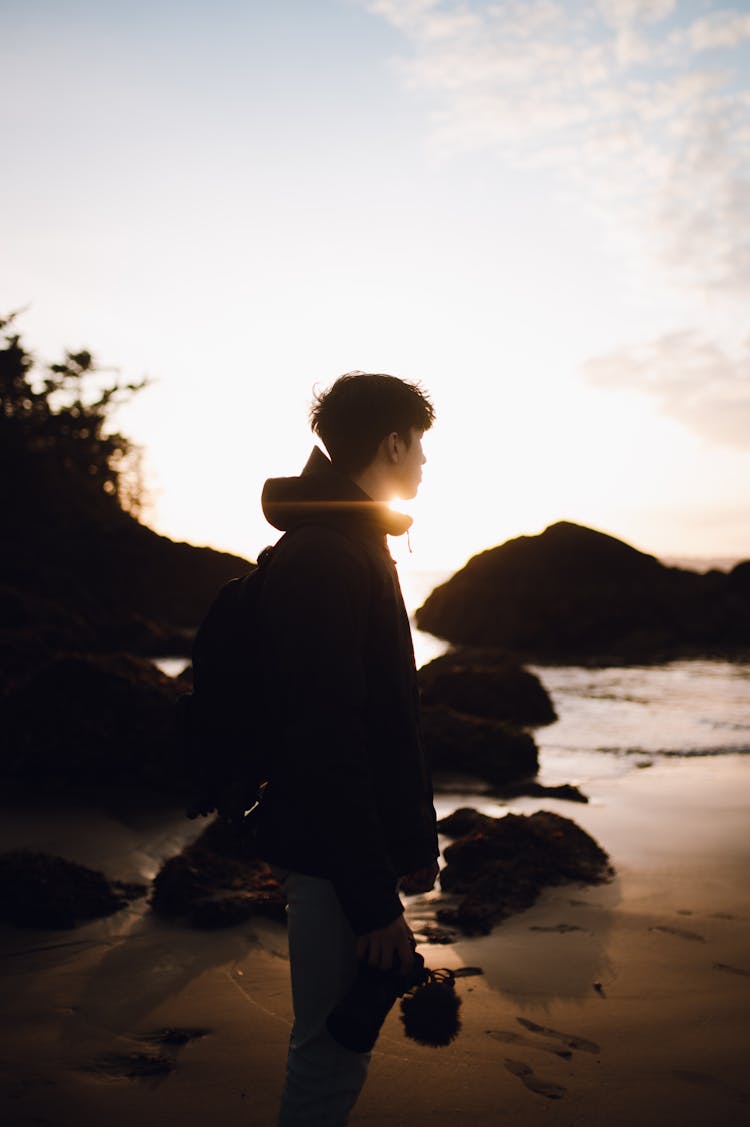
[{"x": 349, "y": 796}]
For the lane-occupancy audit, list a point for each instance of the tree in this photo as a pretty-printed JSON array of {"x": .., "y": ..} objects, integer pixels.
[{"x": 58, "y": 417}]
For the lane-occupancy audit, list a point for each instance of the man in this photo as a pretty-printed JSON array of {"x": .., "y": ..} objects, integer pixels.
[{"x": 347, "y": 815}]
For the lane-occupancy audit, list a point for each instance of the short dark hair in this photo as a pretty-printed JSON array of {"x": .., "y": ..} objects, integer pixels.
[{"x": 357, "y": 412}]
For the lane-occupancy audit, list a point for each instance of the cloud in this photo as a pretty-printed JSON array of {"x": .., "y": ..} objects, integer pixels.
[
  {"x": 704, "y": 203},
  {"x": 719, "y": 29},
  {"x": 631, "y": 46},
  {"x": 645, "y": 109},
  {"x": 633, "y": 11},
  {"x": 693, "y": 379}
]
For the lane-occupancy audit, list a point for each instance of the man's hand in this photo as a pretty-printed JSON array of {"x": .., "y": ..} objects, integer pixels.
[
  {"x": 423, "y": 880},
  {"x": 378, "y": 947}
]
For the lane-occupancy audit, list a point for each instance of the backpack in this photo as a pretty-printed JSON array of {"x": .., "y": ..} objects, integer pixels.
[{"x": 224, "y": 724}]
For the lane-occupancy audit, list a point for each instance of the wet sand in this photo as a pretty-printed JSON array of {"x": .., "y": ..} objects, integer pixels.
[{"x": 625, "y": 1004}]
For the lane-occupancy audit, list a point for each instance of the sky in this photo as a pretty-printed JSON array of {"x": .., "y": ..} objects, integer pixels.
[{"x": 540, "y": 210}]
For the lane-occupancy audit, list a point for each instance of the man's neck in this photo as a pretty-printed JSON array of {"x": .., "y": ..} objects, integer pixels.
[{"x": 372, "y": 481}]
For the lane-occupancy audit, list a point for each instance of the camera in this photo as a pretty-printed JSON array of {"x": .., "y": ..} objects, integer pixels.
[{"x": 357, "y": 1020}]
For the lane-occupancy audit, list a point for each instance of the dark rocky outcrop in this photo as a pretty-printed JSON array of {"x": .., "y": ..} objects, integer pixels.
[
  {"x": 499, "y": 866},
  {"x": 471, "y": 745},
  {"x": 476, "y": 704},
  {"x": 73, "y": 545},
  {"x": 91, "y": 724},
  {"x": 575, "y": 594},
  {"x": 486, "y": 683},
  {"x": 88, "y": 575},
  {"x": 218, "y": 881},
  {"x": 37, "y": 890}
]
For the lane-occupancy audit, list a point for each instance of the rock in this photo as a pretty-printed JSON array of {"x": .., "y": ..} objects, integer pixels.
[
  {"x": 486, "y": 683},
  {"x": 575, "y": 594},
  {"x": 739, "y": 580},
  {"x": 487, "y": 749},
  {"x": 37, "y": 890},
  {"x": 433, "y": 933},
  {"x": 79, "y": 549},
  {"x": 22, "y": 652},
  {"x": 218, "y": 881},
  {"x": 465, "y": 821},
  {"x": 91, "y": 724},
  {"x": 33, "y": 630},
  {"x": 527, "y": 788},
  {"x": 135, "y": 634},
  {"x": 499, "y": 866}
]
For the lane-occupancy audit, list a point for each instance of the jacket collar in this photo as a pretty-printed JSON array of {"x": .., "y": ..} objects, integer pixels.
[{"x": 322, "y": 495}]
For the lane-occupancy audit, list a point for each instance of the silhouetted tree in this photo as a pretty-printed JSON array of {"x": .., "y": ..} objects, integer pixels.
[{"x": 57, "y": 416}]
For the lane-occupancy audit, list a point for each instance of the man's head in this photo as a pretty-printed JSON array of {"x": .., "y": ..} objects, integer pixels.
[{"x": 368, "y": 419}]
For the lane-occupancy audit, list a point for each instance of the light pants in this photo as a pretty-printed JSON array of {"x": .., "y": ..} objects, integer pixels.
[{"x": 323, "y": 1079}]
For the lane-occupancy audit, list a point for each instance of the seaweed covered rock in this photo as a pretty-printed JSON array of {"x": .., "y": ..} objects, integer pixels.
[
  {"x": 499, "y": 866},
  {"x": 487, "y": 749},
  {"x": 91, "y": 724},
  {"x": 218, "y": 881},
  {"x": 38, "y": 890},
  {"x": 486, "y": 683}
]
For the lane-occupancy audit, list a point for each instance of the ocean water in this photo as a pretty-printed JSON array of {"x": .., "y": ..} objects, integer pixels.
[{"x": 615, "y": 720}]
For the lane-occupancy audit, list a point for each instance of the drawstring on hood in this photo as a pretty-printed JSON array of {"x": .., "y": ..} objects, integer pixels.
[{"x": 322, "y": 494}]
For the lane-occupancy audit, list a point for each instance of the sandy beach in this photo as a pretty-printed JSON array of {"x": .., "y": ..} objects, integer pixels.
[{"x": 622, "y": 1004}]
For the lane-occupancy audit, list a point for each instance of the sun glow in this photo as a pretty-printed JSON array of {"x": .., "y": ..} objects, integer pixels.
[{"x": 514, "y": 272}]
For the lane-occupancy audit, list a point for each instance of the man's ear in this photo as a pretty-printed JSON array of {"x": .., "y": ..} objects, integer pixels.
[{"x": 391, "y": 446}]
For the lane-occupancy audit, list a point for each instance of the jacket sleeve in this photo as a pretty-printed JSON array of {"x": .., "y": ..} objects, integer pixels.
[{"x": 317, "y": 598}]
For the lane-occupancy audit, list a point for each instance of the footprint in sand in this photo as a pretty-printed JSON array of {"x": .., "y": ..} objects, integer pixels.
[
  {"x": 731, "y": 970},
  {"x": 510, "y": 1037},
  {"x": 679, "y": 932},
  {"x": 527, "y": 1076},
  {"x": 147, "y": 1065},
  {"x": 176, "y": 1036},
  {"x": 570, "y": 1040},
  {"x": 560, "y": 929},
  {"x": 134, "y": 1066},
  {"x": 705, "y": 1080}
]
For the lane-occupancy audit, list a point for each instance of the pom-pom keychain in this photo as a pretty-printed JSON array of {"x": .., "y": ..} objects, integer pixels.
[{"x": 429, "y": 1010}]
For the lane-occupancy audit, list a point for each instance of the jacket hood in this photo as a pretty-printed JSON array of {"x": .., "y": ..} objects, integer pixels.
[{"x": 324, "y": 495}]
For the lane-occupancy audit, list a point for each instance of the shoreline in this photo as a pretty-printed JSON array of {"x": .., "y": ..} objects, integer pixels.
[{"x": 643, "y": 986}]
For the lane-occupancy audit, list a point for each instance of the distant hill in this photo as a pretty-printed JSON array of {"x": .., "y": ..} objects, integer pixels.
[
  {"x": 71, "y": 545},
  {"x": 572, "y": 593},
  {"x": 79, "y": 549}
]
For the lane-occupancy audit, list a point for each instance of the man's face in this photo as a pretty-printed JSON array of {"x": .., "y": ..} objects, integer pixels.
[{"x": 408, "y": 470}]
